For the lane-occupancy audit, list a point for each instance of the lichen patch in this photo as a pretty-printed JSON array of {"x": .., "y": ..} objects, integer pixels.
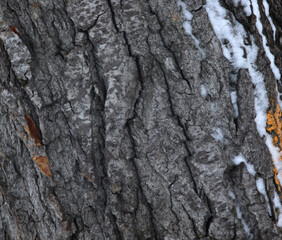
[{"x": 274, "y": 128}]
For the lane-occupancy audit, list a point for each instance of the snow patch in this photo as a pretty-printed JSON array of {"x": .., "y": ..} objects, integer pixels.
[
  {"x": 250, "y": 167},
  {"x": 246, "y": 4},
  {"x": 266, "y": 11},
  {"x": 231, "y": 194},
  {"x": 239, "y": 215},
  {"x": 204, "y": 91},
  {"x": 217, "y": 135},
  {"x": 245, "y": 226},
  {"x": 231, "y": 36},
  {"x": 259, "y": 182},
  {"x": 188, "y": 27},
  {"x": 269, "y": 55},
  {"x": 233, "y": 96},
  {"x": 261, "y": 188},
  {"x": 232, "y": 43}
]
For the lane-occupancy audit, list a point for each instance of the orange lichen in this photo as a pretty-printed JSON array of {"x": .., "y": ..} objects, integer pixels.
[
  {"x": 275, "y": 140},
  {"x": 32, "y": 130},
  {"x": 43, "y": 165},
  {"x": 274, "y": 127}
]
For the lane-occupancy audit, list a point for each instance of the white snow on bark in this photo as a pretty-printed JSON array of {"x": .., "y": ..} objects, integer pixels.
[
  {"x": 269, "y": 55},
  {"x": 235, "y": 34},
  {"x": 250, "y": 167},
  {"x": 259, "y": 182},
  {"x": 233, "y": 96},
  {"x": 232, "y": 42},
  {"x": 204, "y": 91},
  {"x": 266, "y": 11},
  {"x": 245, "y": 226},
  {"x": 239, "y": 215},
  {"x": 246, "y": 4},
  {"x": 261, "y": 188},
  {"x": 217, "y": 135},
  {"x": 188, "y": 27}
]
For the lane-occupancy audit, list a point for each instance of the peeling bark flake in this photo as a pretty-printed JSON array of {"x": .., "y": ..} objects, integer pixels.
[
  {"x": 32, "y": 130},
  {"x": 43, "y": 165}
]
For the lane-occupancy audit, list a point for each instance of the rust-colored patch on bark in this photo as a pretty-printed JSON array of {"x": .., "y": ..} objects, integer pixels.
[
  {"x": 84, "y": 174},
  {"x": 68, "y": 229},
  {"x": 274, "y": 127},
  {"x": 43, "y": 165},
  {"x": 35, "y": 5},
  {"x": 14, "y": 30},
  {"x": 175, "y": 17},
  {"x": 32, "y": 130}
]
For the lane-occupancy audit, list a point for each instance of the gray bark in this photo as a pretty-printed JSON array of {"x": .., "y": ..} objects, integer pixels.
[{"x": 105, "y": 133}]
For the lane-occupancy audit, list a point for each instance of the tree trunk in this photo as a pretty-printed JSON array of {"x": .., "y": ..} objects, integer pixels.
[{"x": 152, "y": 119}]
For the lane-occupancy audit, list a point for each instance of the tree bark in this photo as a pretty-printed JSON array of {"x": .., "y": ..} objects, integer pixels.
[{"x": 126, "y": 119}]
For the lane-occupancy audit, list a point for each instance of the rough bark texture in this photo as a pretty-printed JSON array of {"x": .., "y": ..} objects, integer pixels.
[{"x": 105, "y": 133}]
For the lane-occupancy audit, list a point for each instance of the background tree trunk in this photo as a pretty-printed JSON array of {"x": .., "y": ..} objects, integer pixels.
[{"x": 126, "y": 119}]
